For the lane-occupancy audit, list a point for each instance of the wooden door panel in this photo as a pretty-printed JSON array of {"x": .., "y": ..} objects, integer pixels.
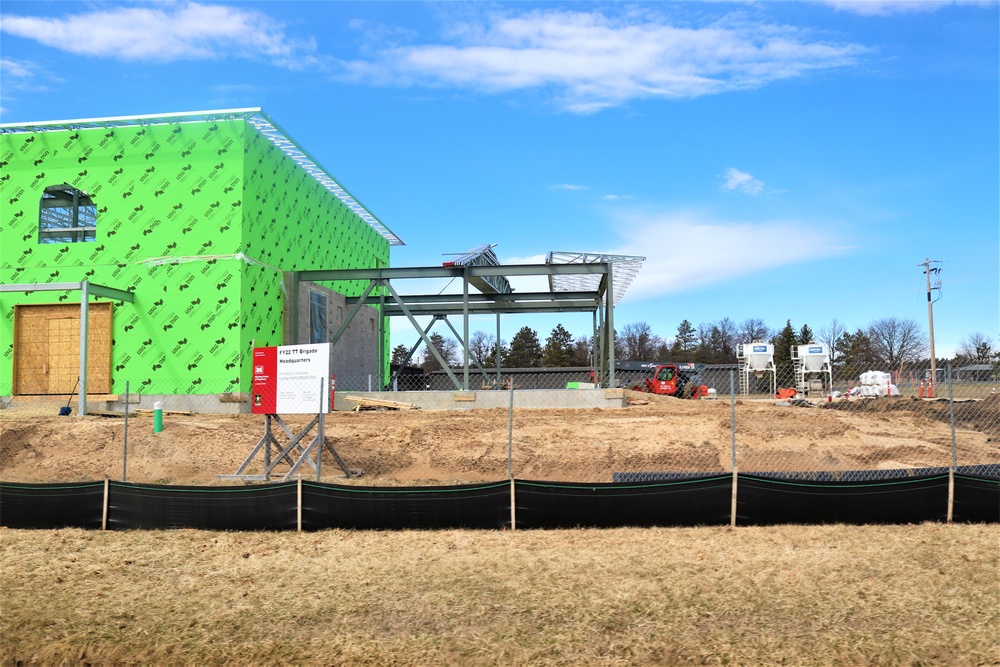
[{"x": 47, "y": 348}]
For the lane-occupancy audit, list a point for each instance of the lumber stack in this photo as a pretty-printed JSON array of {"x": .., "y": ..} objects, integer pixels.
[{"x": 366, "y": 403}]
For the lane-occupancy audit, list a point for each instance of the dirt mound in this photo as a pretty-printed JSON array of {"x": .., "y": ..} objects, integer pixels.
[
  {"x": 428, "y": 447},
  {"x": 977, "y": 415}
]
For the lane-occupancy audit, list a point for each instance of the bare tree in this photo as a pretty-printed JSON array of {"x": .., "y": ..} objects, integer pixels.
[
  {"x": 481, "y": 346},
  {"x": 976, "y": 348},
  {"x": 639, "y": 343},
  {"x": 752, "y": 329},
  {"x": 830, "y": 335},
  {"x": 895, "y": 341},
  {"x": 724, "y": 341},
  {"x": 582, "y": 351}
]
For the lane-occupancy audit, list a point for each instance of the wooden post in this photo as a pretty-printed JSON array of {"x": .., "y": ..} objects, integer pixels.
[
  {"x": 298, "y": 510},
  {"x": 104, "y": 512},
  {"x": 732, "y": 409},
  {"x": 513, "y": 507}
]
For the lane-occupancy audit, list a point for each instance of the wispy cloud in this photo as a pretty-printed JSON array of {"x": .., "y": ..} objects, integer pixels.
[
  {"x": 22, "y": 76},
  {"x": 589, "y": 60},
  {"x": 740, "y": 181},
  {"x": 616, "y": 197},
  {"x": 166, "y": 32},
  {"x": 687, "y": 250},
  {"x": 888, "y": 7},
  {"x": 567, "y": 186}
]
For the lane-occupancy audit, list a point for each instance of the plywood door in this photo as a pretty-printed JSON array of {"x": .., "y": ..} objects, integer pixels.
[
  {"x": 47, "y": 349},
  {"x": 63, "y": 355}
]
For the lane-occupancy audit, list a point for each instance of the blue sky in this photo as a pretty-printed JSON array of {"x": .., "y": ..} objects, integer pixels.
[{"x": 770, "y": 160}]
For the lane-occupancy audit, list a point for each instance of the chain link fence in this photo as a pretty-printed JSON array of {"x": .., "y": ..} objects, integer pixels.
[{"x": 538, "y": 424}]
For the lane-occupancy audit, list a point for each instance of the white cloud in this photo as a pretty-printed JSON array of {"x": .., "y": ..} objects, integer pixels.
[
  {"x": 688, "y": 250},
  {"x": 886, "y": 7},
  {"x": 567, "y": 186},
  {"x": 165, "y": 33},
  {"x": 24, "y": 75},
  {"x": 616, "y": 197},
  {"x": 590, "y": 60},
  {"x": 740, "y": 181}
]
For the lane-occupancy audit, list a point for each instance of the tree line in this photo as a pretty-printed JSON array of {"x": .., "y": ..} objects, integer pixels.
[{"x": 886, "y": 343}]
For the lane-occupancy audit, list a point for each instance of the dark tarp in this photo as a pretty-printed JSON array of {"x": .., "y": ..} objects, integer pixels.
[
  {"x": 688, "y": 502},
  {"x": 155, "y": 506},
  {"x": 393, "y": 508},
  {"x": 51, "y": 505},
  {"x": 765, "y": 501},
  {"x": 977, "y": 499}
]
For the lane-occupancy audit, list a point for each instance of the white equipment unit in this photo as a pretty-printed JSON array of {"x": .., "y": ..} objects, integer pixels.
[
  {"x": 756, "y": 358},
  {"x": 878, "y": 383},
  {"x": 811, "y": 365}
]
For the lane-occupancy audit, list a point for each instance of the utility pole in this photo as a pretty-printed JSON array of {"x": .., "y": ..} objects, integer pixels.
[{"x": 928, "y": 270}]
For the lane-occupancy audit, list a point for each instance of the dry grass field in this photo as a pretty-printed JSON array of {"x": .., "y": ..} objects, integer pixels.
[
  {"x": 795, "y": 595},
  {"x": 832, "y": 595}
]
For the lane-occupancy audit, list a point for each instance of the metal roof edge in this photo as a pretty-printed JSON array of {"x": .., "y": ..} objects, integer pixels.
[
  {"x": 34, "y": 126},
  {"x": 253, "y": 115},
  {"x": 302, "y": 158}
]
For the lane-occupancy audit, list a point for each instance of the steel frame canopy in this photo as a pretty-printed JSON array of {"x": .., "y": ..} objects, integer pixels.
[
  {"x": 598, "y": 295},
  {"x": 624, "y": 270}
]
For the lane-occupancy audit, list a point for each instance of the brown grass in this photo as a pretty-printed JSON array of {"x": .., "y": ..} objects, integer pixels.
[{"x": 921, "y": 595}]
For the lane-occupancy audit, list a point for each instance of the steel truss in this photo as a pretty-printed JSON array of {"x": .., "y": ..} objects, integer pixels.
[{"x": 599, "y": 300}]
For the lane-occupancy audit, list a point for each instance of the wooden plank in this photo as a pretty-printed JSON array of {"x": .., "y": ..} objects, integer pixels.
[{"x": 365, "y": 402}]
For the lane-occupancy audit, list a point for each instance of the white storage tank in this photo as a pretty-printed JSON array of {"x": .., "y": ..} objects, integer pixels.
[
  {"x": 814, "y": 356},
  {"x": 758, "y": 356}
]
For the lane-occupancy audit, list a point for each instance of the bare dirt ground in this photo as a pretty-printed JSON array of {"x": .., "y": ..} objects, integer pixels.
[{"x": 427, "y": 447}]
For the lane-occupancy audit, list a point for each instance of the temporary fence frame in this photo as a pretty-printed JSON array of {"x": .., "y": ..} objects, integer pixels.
[{"x": 303, "y": 454}]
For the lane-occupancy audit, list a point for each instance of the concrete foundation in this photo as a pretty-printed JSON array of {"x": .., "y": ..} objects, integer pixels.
[{"x": 471, "y": 400}]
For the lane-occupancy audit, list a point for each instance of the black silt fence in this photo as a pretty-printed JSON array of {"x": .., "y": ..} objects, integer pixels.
[
  {"x": 977, "y": 499},
  {"x": 52, "y": 505},
  {"x": 427, "y": 507},
  {"x": 685, "y": 502},
  {"x": 763, "y": 501},
  {"x": 689, "y": 500},
  {"x": 155, "y": 507}
]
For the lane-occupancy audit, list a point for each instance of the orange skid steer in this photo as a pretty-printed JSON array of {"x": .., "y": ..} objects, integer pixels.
[{"x": 680, "y": 380}]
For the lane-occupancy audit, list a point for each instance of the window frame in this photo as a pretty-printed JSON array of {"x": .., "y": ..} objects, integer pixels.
[{"x": 72, "y": 226}]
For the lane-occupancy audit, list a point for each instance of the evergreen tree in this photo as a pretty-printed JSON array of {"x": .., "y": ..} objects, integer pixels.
[
  {"x": 399, "y": 354},
  {"x": 446, "y": 348},
  {"x": 806, "y": 335},
  {"x": 525, "y": 350},
  {"x": 783, "y": 342},
  {"x": 857, "y": 354},
  {"x": 558, "y": 348},
  {"x": 686, "y": 338},
  {"x": 491, "y": 358}
]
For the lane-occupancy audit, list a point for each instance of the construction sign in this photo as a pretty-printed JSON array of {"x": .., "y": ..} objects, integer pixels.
[{"x": 291, "y": 379}]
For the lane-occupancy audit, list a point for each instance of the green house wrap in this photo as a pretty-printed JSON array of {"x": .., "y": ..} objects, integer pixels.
[{"x": 198, "y": 215}]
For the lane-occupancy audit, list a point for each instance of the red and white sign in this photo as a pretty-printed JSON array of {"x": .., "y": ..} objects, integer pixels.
[{"x": 291, "y": 379}]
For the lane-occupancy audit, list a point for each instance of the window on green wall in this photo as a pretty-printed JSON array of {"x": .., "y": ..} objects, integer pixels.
[
  {"x": 317, "y": 317},
  {"x": 66, "y": 215}
]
